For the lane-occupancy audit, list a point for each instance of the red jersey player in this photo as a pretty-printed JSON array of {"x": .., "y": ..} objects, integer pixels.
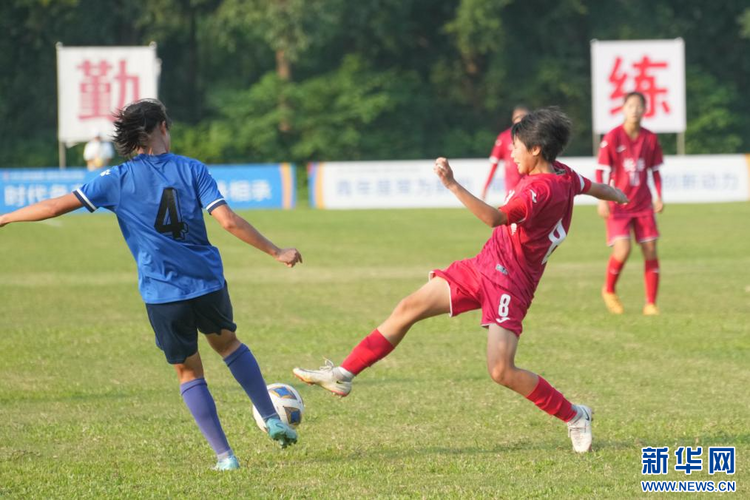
[
  {"x": 501, "y": 280},
  {"x": 627, "y": 154},
  {"x": 502, "y": 151}
]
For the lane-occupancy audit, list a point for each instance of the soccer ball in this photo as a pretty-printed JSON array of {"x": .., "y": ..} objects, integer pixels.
[{"x": 288, "y": 404}]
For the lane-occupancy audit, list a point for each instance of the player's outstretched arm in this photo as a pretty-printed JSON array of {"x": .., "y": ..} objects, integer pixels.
[
  {"x": 43, "y": 210},
  {"x": 243, "y": 230},
  {"x": 607, "y": 193},
  {"x": 484, "y": 212}
]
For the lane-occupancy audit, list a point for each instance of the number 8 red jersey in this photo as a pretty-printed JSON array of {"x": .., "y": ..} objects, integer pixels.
[{"x": 539, "y": 214}]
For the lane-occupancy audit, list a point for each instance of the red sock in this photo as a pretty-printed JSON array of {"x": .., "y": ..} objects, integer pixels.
[
  {"x": 651, "y": 278},
  {"x": 552, "y": 401},
  {"x": 372, "y": 349},
  {"x": 614, "y": 267}
]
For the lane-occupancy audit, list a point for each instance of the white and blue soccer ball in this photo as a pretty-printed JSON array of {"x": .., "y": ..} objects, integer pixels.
[{"x": 288, "y": 404}]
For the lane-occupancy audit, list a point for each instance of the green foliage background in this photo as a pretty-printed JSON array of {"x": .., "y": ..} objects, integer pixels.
[{"x": 384, "y": 79}]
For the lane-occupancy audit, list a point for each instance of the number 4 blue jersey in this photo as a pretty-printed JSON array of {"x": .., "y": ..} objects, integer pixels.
[{"x": 158, "y": 202}]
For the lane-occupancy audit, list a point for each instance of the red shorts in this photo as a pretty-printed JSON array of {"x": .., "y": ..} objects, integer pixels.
[
  {"x": 643, "y": 225},
  {"x": 470, "y": 290}
]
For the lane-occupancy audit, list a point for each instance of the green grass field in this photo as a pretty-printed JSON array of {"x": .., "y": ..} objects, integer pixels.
[{"x": 89, "y": 407}]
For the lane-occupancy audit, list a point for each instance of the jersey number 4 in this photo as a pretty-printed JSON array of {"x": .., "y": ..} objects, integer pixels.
[{"x": 168, "y": 218}]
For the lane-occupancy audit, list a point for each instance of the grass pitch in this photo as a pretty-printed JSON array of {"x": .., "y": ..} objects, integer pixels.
[{"x": 89, "y": 407}]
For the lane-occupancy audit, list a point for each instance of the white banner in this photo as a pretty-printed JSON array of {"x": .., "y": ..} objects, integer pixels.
[
  {"x": 397, "y": 184},
  {"x": 656, "y": 68},
  {"x": 413, "y": 184},
  {"x": 94, "y": 82}
]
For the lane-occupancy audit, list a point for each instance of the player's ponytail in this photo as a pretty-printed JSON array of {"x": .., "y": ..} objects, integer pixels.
[{"x": 135, "y": 122}]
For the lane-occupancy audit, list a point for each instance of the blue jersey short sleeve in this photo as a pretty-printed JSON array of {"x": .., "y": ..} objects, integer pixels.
[
  {"x": 208, "y": 191},
  {"x": 101, "y": 191}
]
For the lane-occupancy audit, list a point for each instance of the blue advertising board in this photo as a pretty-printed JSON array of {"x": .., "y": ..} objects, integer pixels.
[{"x": 267, "y": 186}]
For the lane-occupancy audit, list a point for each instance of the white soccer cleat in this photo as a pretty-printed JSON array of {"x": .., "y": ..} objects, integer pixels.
[
  {"x": 325, "y": 378},
  {"x": 579, "y": 429}
]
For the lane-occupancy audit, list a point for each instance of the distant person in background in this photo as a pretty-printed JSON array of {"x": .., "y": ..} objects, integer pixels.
[
  {"x": 158, "y": 198},
  {"x": 98, "y": 152},
  {"x": 501, "y": 151},
  {"x": 626, "y": 155}
]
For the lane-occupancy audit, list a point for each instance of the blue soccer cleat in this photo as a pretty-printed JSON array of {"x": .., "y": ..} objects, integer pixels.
[
  {"x": 228, "y": 463},
  {"x": 281, "y": 432}
]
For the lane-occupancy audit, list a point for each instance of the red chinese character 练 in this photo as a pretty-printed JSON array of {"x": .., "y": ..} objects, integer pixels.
[
  {"x": 617, "y": 77},
  {"x": 643, "y": 82},
  {"x": 646, "y": 84}
]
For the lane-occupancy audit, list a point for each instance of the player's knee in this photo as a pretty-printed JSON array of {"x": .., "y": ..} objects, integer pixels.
[
  {"x": 502, "y": 373},
  {"x": 188, "y": 371},
  {"x": 225, "y": 343},
  {"x": 621, "y": 253},
  {"x": 407, "y": 309},
  {"x": 649, "y": 250}
]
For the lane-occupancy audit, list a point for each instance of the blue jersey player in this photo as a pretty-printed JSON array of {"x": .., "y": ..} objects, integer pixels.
[{"x": 158, "y": 198}]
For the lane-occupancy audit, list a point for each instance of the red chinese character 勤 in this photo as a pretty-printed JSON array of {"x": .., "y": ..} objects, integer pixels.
[
  {"x": 95, "y": 90},
  {"x": 124, "y": 79}
]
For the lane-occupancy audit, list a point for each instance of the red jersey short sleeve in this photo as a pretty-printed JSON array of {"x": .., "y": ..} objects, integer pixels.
[
  {"x": 533, "y": 196},
  {"x": 605, "y": 160},
  {"x": 515, "y": 210},
  {"x": 584, "y": 184}
]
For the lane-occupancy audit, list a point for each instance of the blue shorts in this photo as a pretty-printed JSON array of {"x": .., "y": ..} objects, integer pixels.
[{"x": 176, "y": 324}]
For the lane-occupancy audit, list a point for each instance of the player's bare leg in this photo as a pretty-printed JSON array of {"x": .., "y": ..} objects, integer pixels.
[
  {"x": 501, "y": 352},
  {"x": 191, "y": 369},
  {"x": 225, "y": 343},
  {"x": 651, "y": 277},
  {"x": 430, "y": 300},
  {"x": 620, "y": 253}
]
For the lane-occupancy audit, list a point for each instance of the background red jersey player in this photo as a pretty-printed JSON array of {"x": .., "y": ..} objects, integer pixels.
[
  {"x": 502, "y": 279},
  {"x": 502, "y": 151},
  {"x": 627, "y": 154}
]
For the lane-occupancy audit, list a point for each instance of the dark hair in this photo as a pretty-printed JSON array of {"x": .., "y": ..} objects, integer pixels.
[
  {"x": 548, "y": 128},
  {"x": 639, "y": 94},
  {"x": 135, "y": 122}
]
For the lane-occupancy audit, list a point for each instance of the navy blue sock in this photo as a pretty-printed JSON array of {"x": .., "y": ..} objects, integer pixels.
[
  {"x": 201, "y": 404},
  {"x": 246, "y": 371}
]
